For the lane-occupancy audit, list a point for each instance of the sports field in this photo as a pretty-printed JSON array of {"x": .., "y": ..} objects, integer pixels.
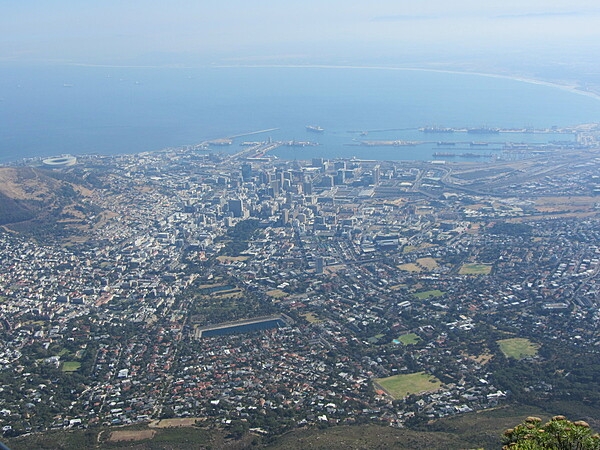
[
  {"x": 400, "y": 386},
  {"x": 475, "y": 269},
  {"x": 518, "y": 348}
]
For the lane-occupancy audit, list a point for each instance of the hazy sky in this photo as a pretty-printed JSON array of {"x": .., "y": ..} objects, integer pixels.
[{"x": 179, "y": 31}]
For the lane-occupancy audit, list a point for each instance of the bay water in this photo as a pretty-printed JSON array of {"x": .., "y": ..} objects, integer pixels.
[{"x": 64, "y": 109}]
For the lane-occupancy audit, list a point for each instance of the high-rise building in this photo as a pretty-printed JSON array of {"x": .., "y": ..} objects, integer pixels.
[
  {"x": 276, "y": 187},
  {"x": 285, "y": 217},
  {"x": 307, "y": 187},
  {"x": 376, "y": 174},
  {"x": 246, "y": 172},
  {"x": 339, "y": 165},
  {"x": 319, "y": 265},
  {"x": 327, "y": 181},
  {"x": 236, "y": 207}
]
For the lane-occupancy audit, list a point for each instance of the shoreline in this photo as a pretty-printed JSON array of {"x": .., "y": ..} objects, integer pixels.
[{"x": 575, "y": 89}]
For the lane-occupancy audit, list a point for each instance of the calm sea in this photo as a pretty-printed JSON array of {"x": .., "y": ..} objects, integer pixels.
[{"x": 52, "y": 110}]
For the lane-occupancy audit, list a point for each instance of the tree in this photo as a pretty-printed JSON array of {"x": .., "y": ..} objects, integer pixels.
[{"x": 558, "y": 433}]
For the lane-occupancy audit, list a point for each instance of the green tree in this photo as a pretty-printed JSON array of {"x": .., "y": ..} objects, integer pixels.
[{"x": 558, "y": 433}]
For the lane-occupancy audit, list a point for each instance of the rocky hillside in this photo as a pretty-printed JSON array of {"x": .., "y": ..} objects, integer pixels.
[{"x": 37, "y": 202}]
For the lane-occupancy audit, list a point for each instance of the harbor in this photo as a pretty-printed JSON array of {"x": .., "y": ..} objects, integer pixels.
[{"x": 458, "y": 143}]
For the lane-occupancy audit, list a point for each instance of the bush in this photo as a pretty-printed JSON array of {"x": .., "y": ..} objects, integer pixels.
[{"x": 559, "y": 433}]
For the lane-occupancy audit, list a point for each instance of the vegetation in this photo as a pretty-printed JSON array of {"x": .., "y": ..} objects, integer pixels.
[
  {"x": 474, "y": 430},
  {"x": 224, "y": 302},
  {"x": 409, "y": 339},
  {"x": 237, "y": 238},
  {"x": 71, "y": 366},
  {"x": 410, "y": 267},
  {"x": 475, "y": 269},
  {"x": 400, "y": 386},
  {"x": 512, "y": 229},
  {"x": 311, "y": 317},
  {"x": 518, "y": 348},
  {"x": 277, "y": 293},
  {"x": 12, "y": 211},
  {"x": 558, "y": 433},
  {"x": 427, "y": 263},
  {"x": 429, "y": 294}
]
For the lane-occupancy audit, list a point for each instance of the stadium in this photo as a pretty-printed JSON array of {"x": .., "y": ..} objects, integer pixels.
[{"x": 60, "y": 161}]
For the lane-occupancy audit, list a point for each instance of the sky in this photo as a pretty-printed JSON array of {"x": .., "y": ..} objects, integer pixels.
[{"x": 279, "y": 31}]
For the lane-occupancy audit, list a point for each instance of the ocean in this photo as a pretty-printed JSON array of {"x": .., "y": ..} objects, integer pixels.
[{"x": 54, "y": 110}]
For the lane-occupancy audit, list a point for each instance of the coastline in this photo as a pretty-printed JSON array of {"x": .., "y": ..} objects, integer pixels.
[{"x": 575, "y": 89}]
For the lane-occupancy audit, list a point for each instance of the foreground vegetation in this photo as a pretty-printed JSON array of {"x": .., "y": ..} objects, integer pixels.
[
  {"x": 558, "y": 433},
  {"x": 475, "y": 430}
]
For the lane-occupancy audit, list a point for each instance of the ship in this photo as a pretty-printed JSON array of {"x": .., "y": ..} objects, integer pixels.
[
  {"x": 445, "y": 143},
  {"x": 314, "y": 128},
  {"x": 474, "y": 155},
  {"x": 445, "y": 154},
  {"x": 483, "y": 130},
  {"x": 436, "y": 130}
]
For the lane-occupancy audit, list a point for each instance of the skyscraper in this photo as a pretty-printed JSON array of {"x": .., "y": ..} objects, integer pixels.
[
  {"x": 236, "y": 207},
  {"x": 246, "y": 172}
]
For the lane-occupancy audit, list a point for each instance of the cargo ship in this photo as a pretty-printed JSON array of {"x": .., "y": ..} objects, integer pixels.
[
  {"x": 474, "y": 155},
  {"x": 483, "y": 130},
  {"x": 436, "y": 130},
  {"x": 314, "y": 128}
]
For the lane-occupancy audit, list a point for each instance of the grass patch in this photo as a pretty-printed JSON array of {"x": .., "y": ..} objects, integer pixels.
[
  {"x": 518, "y": 348},
  {"x": 174, "y": 423},
  {"x": 428, "y": 263},
  {"x": 277, "y": 293},
  {"x": 420, "y": 265},
  {"x": 482, "y": 359},
  {"x": 475, "y": 269},
  {"x": 428, "y": 294},
  {"x": 233, "y": 294},
  {"x": 407, "y": 339},
  {"x": 410, "y": 267},
  {"x": 311, "y": 317},
  {"x": 412, "y": 248},
  {"x": 400, "y": 386},
  {"x": 375, "y": 339},
  {"x": 397, "y": 287},
  {"x": 70, "y": 366},
  {"x": 131, "y": 435}
]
